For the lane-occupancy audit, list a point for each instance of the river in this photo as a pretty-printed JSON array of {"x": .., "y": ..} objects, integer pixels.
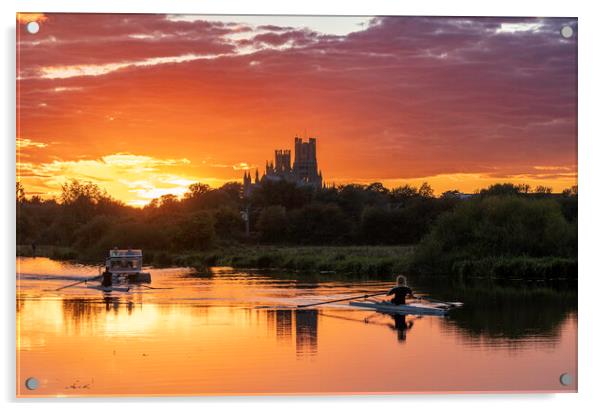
[{"x": 237, "y": 332}]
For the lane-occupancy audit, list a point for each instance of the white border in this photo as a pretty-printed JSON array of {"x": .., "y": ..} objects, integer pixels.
[{"x": 590, "y": 229}]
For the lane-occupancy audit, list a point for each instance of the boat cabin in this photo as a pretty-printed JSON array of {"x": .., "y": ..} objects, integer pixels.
[
  {"x": 124, "y": 261},
  {"x": 126, "y": 264}
]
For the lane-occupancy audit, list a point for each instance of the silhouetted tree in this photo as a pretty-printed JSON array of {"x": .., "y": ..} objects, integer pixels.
[
  {"x": 20, "y": 192},
  {"x": 233, "y": 190},
  {"x": 568, "y": 192},
  {"x": 273, "y": 224},
  {"x": 229, "y": 225},
  {"x": 319, "y": 224},
  {"x": 451, "y": 194},
  {"x": 401, "y": 195},
  {"x": 283, "y": 193},
  {"x": 196, "y": 232},
  {"x": 352, "y": 198},
  {"x": 196, "y": 190},
  {"x": 504, "y": 189},
  {"x": 426, "y": 190},
  {"x": 73, "y": 191},
  {"x": 542, "y": 190}
]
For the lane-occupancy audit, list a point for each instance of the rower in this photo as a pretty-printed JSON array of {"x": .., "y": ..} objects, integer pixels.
[
  {"x": 400, "y": 291},
  {"x": 107, "y": 279}
]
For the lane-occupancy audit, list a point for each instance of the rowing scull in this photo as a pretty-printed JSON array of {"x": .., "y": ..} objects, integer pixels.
[{"x": 412, "y": 308}]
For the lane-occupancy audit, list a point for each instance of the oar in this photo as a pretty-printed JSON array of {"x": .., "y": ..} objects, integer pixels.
[
  {"x": 433, "y": 300},
  {"x": 155, "y": 288},
  {"x": 79, "y": 282},
  {"x": 343, "y": 299}
]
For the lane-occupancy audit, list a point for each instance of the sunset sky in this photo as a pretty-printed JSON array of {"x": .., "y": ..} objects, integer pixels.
[{"x": 145, "y": 105}]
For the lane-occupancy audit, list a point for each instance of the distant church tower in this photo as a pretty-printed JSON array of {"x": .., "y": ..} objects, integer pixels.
[
  {"x": 305, "y": 167},
  {"x": 247, "y": 185}
]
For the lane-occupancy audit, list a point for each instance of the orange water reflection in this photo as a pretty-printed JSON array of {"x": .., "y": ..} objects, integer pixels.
[{"x": 208, "y": 336}]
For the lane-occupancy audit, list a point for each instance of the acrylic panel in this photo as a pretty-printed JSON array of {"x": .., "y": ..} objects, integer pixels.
[{"x": 260, "y": 205}]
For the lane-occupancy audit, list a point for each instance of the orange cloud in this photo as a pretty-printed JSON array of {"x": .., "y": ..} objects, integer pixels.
[
  {"x": 25, "y": 142},
  {"x": 25, "y": 18},
  {"x": 134, "y": 179}
]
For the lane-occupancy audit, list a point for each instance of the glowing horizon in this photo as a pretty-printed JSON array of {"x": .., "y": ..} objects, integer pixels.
[{"x": 145, "y": 105}]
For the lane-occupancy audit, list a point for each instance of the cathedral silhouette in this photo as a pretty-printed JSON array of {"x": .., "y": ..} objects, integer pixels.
[{"x": 304, "y": 171}]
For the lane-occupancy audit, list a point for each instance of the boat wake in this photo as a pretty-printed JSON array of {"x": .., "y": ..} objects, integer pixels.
[{"x": 51, "y": 277}]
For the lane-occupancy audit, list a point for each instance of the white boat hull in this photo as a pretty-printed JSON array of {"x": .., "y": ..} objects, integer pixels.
[{"x": 412, "y": 308}]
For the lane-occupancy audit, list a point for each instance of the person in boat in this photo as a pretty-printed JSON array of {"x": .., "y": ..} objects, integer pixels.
[
  {"x": 400, "y": 291},
  {"x": 107, "y": 279}
]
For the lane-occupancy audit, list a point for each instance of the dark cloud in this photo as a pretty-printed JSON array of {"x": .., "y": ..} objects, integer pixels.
[
  {"x": 293, "y": 37},
  {"x": 76, "y": 39}
]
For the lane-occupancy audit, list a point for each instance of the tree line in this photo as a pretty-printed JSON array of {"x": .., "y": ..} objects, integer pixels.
[{"x": 86, "y": 218}]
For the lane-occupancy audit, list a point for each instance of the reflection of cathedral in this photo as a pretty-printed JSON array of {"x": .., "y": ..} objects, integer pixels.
[
  {"x": 304, "y": 170},
  {"x": 282, "y": 321},
  {"x": 306, "y": 328}
]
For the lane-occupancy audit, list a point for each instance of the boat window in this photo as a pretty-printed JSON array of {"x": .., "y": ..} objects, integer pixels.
[{"x": 125, "y": 264}]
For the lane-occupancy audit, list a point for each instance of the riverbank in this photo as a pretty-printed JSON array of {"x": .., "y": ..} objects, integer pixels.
[
  {"x": 373, "y": 261},
  {"x": 377, "y": 262},
  {"x": 50, "y": 251},
  {"x": 353, "y": 261}
]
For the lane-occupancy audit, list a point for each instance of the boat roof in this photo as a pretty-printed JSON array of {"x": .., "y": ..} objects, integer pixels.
[{"x": 125, "y": 253}]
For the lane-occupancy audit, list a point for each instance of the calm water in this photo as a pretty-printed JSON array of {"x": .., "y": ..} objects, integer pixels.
[{"x": 236, "y": 332}]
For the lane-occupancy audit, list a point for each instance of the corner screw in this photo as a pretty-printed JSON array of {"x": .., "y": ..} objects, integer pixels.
[
  {"x": 31, "y": 383},
  {"x": 566, "y": 379}
]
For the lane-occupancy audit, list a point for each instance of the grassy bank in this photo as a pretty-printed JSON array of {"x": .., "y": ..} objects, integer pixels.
[
  {"x": 374, "y": 261},
  {"x": 544, "y": 268},
  {"x": 365, "y": 261}
]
